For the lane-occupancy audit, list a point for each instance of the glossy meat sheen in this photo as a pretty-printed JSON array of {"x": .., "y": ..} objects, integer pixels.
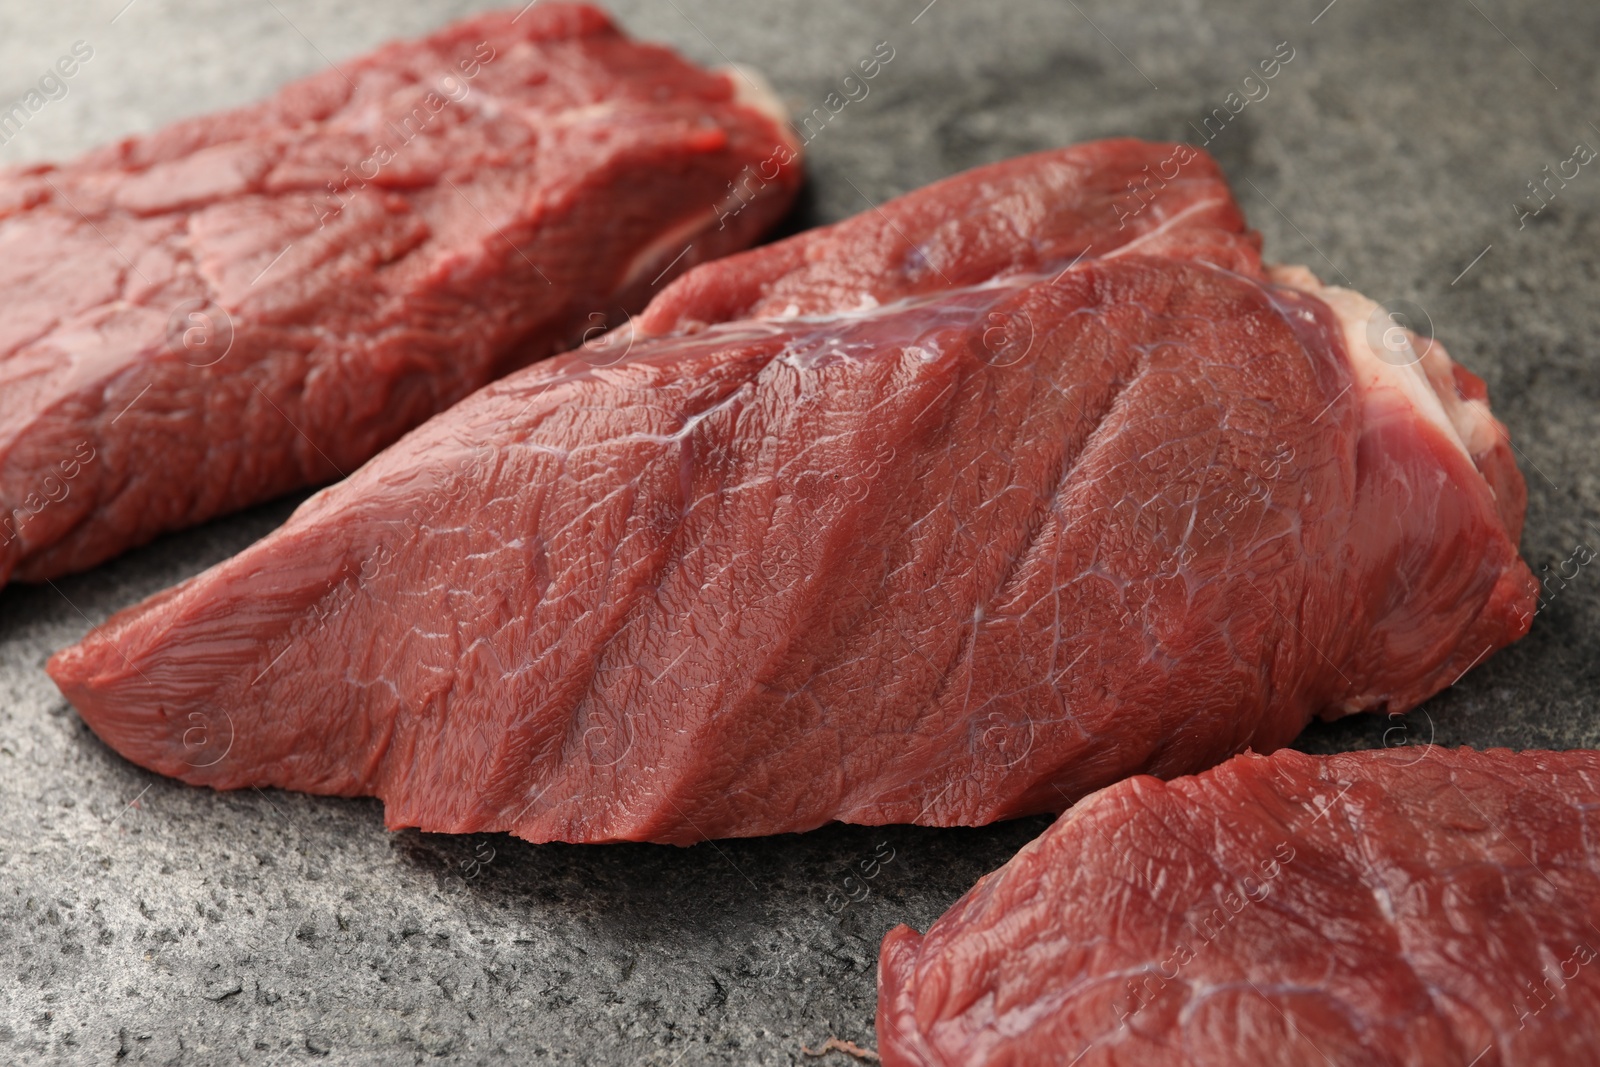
[
  {"x": 1406, "y": 907},
  {"x": 211, "y": 315},
  {"x": 970, "y": 553}
]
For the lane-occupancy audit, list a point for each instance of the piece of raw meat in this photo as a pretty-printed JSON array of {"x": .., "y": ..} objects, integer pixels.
[
  {"x": 1402, "y": 907},
  {"x": 238, "y": 305},
  {"x": 944, "y": 539}
]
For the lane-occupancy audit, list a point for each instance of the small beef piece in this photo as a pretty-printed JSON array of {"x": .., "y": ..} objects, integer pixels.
[{"x": 1399, "y": 908}]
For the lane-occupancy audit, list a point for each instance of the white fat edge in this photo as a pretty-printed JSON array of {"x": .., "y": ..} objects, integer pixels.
[
  {"x": 869, "y": 306},
  {"x": 750, "y": 90},
  {"x": 789, "y": 318},
  {"x": 1166, "y": 226},
  {"x": 1425, "y": 386},
  {"x": 658, "y": 254}
]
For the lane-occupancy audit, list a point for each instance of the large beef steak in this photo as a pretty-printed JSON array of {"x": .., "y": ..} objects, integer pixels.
[{"x": 981, "y": 501}]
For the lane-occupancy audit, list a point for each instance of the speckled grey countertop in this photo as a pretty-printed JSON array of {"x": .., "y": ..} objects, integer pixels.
[{"x": 145, "y": 920}]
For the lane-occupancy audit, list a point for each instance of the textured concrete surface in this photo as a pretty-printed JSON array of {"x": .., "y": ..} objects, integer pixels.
[{"x": 148, "y": 922}]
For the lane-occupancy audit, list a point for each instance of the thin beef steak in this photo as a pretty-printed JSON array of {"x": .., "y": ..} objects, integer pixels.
[
  {"x": 1404, "y": 907},
  {"x": 242, "y": 304},
  {"x": 1026, "y": 504}
]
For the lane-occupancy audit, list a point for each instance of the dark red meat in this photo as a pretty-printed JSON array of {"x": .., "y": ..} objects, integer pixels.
[
  {"x": 1413, "y": 907},
  {"x": 241, "y": 304},
  {"x": 942, "y": 537}
]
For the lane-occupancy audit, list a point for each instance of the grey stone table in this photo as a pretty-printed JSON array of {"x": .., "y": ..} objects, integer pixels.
[{"x": 145, "y": 921}]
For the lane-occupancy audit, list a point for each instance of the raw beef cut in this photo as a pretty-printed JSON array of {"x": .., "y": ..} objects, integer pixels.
[
  {"x": 242, "y": 304},
  {"x": 1404, "y": 907},
  {"x": 994, "y": 500}
]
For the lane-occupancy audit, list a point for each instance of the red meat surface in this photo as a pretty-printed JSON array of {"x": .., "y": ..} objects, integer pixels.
[
  {"x": 242, "y": 304},
  {"x": 938, "y": 536},
  {"x": 1402, "y": 907}
]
